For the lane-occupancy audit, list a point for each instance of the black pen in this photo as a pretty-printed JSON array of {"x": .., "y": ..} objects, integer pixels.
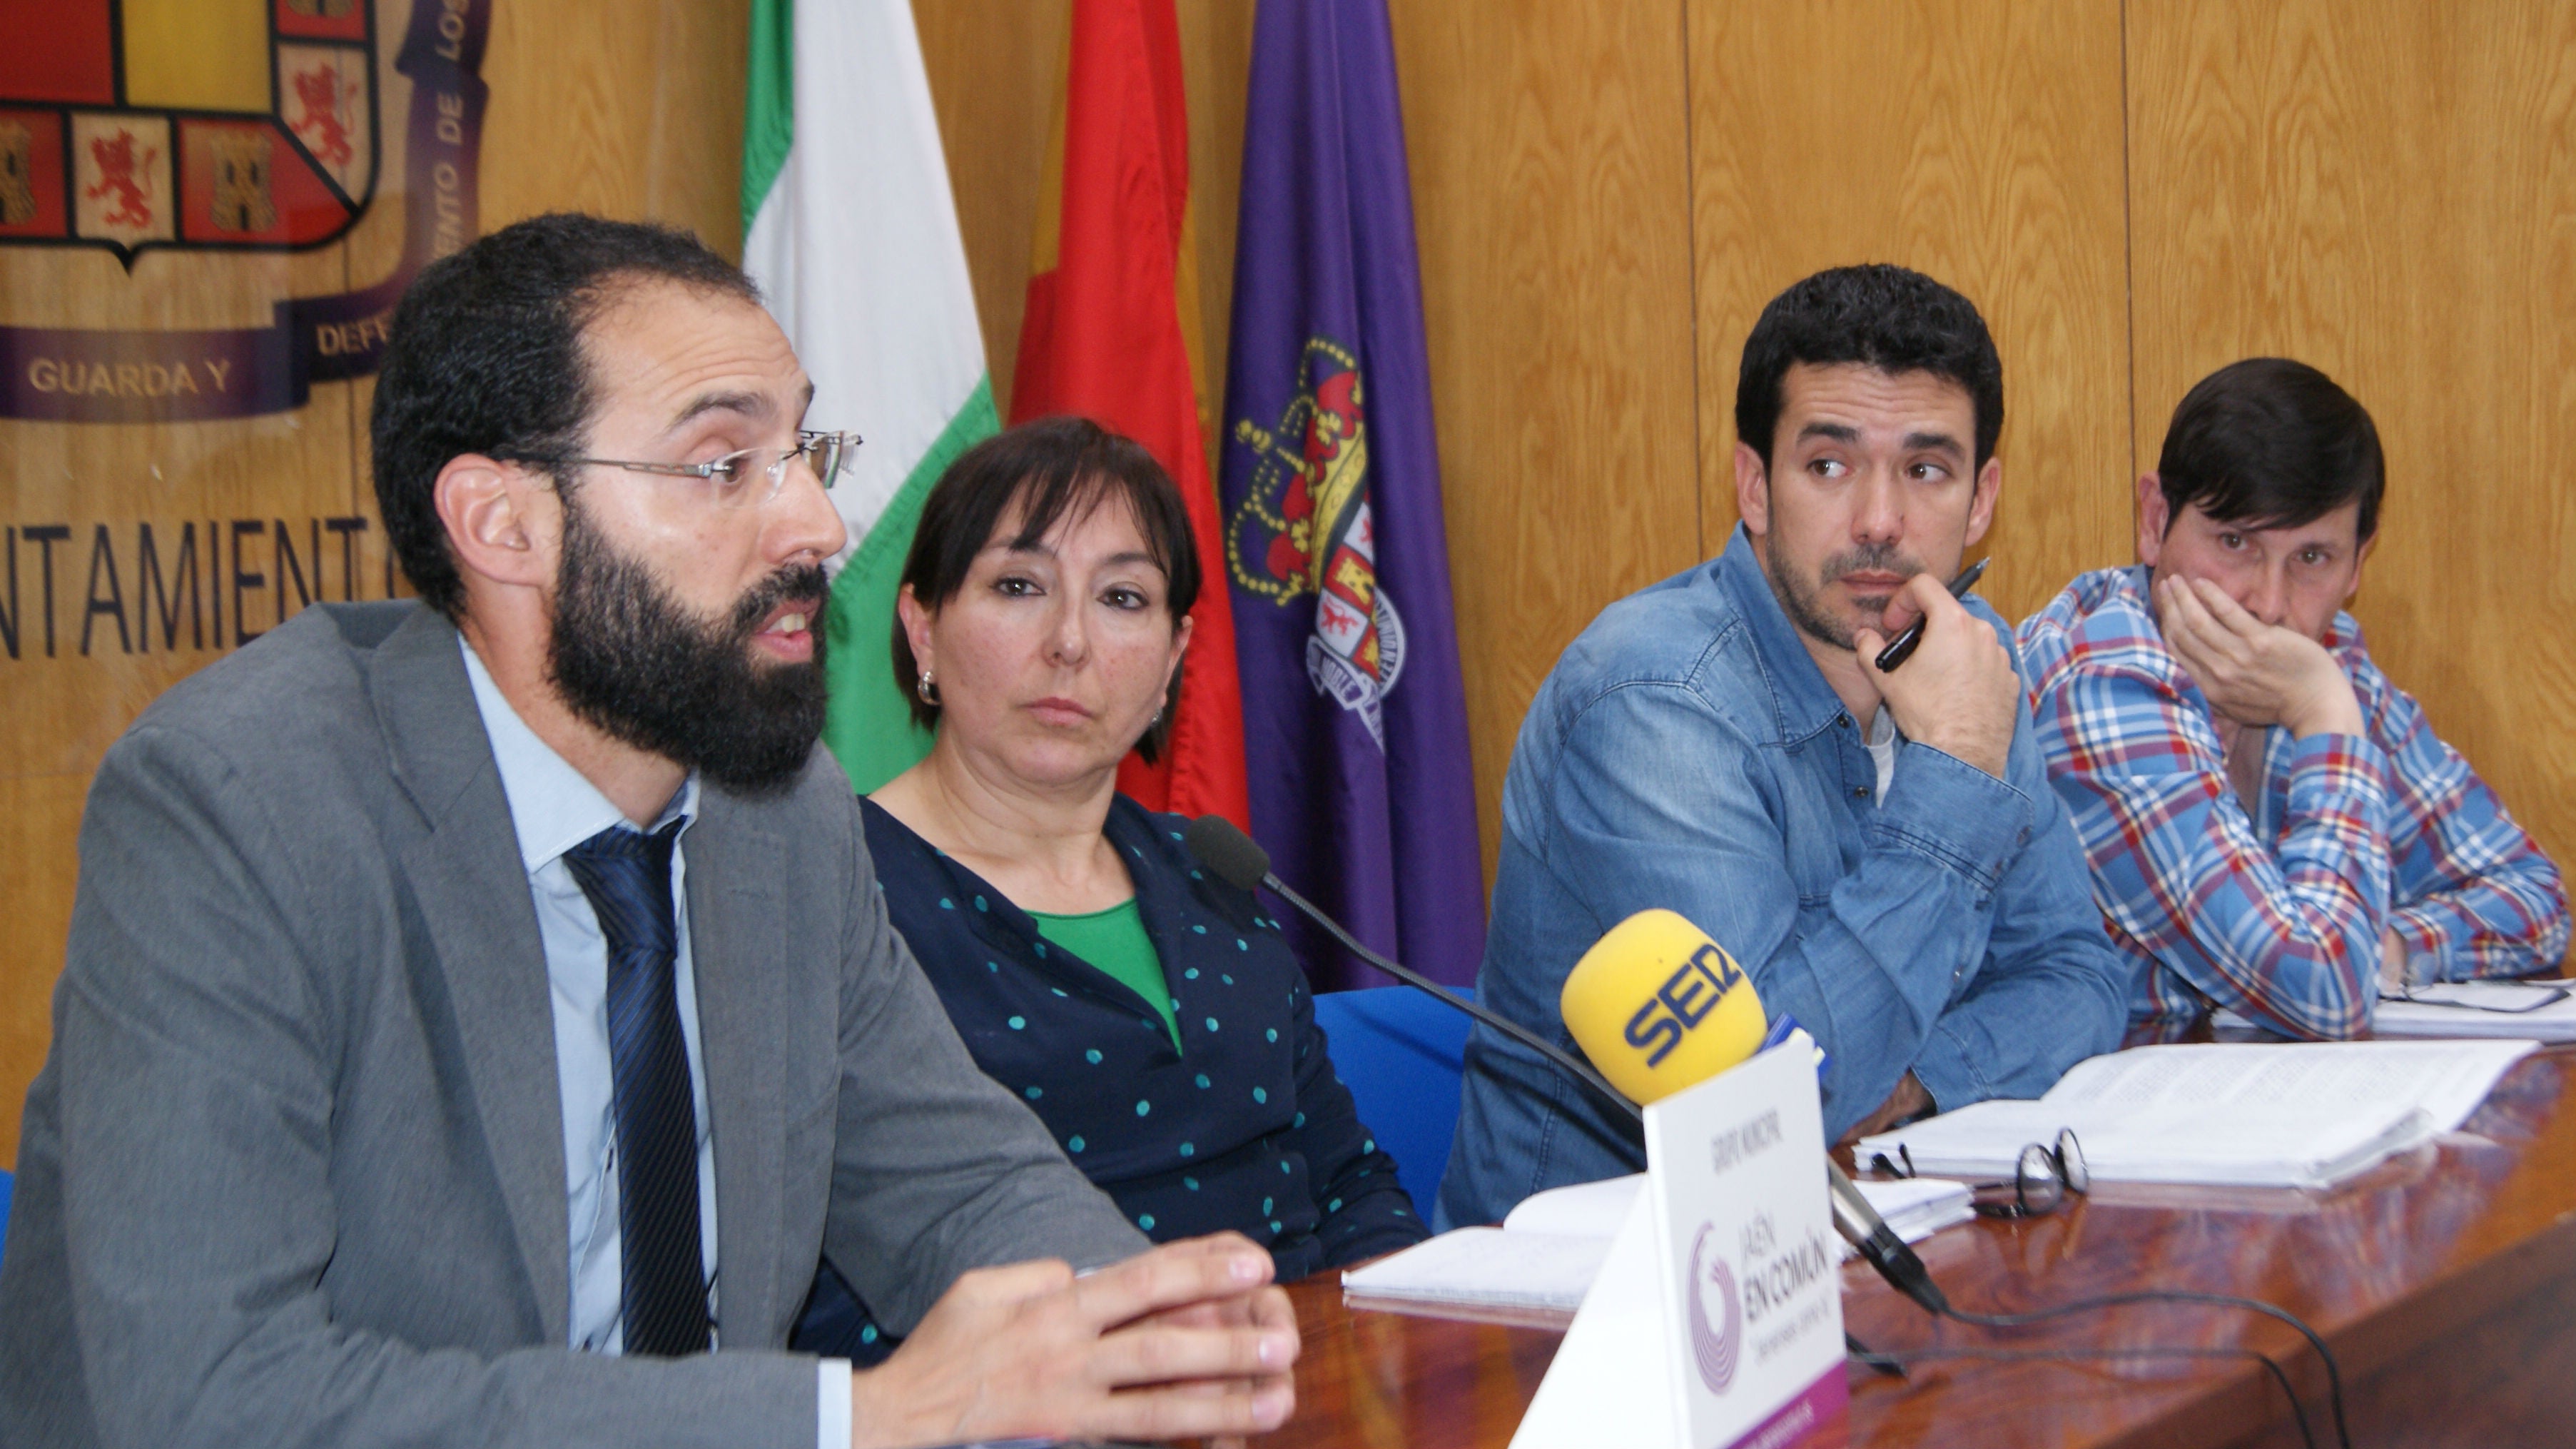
[{"x": 1901, "y": 648}]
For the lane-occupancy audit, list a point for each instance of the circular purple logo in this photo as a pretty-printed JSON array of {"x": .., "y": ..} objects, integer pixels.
[{"x": 1716, "y": 1314}]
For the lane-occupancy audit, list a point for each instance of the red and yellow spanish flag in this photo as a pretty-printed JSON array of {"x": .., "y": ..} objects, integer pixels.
[{"x": 1111, "y": 332}]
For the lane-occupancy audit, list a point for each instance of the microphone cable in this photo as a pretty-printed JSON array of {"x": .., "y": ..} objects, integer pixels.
[
  {"x": 1896, "y": 1361},
  {"x": 2334, "y": 1370}
]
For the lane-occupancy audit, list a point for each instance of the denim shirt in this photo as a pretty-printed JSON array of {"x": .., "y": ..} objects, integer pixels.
[{"x": 1687, "y": 753}]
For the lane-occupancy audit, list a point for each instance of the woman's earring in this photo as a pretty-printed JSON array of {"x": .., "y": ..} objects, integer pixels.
[{"x": 928, "y": 691}]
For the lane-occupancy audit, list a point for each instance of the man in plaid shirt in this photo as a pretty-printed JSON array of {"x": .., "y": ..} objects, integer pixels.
[{"x": 2272, "y": 825}]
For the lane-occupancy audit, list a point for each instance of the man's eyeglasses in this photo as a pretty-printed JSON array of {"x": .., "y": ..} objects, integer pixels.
[
  {"x": 2542, "y": 993},
  {"x": 729, "y": 478},
  {"x": 2042, "y": 1177}
]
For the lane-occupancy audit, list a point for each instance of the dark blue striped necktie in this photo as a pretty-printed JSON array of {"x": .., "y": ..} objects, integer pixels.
[{"x": 627, "y": 876}]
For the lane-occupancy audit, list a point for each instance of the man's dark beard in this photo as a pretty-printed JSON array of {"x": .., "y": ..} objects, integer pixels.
[
  {"x": 1798, "y": 596},
  {"x": 630, "y": 659}
]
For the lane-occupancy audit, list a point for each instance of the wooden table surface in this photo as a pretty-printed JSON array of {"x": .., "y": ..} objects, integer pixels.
[{"x": 2444, "y": 1279}]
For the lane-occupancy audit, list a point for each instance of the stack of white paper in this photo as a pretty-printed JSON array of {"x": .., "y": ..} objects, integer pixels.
[
  {"x": 1915, "y": 1207},
  {"x": 2248, "y": 1147},
  {"x": 1483, "y": 1268},
  {"x": 2302, "y": 1115},
  {"x": 1545, "y": 1255}
]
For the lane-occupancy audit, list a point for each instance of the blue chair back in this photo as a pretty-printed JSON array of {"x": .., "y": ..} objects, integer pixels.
[
  {"x": 1400, "y": 1052},
  {"x": 6, "y": 1182}
]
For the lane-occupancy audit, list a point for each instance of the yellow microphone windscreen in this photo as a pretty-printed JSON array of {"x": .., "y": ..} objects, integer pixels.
[{"x": 1658, "y": 1006}]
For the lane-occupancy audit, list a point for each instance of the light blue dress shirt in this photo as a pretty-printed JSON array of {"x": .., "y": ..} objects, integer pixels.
[{"x": 553, "y": 808}]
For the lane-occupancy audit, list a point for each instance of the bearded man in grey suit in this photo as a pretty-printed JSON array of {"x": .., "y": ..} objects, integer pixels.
[{"x": 480, "y": 1016}]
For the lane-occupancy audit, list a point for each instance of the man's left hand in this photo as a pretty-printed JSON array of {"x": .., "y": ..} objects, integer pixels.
[
  {"x": 1959, "y": 693},
  {"x": 1906, "y": 1103},
  {"x": 1180, "y": 1342},
  {"x": 2392, "y": 961}
]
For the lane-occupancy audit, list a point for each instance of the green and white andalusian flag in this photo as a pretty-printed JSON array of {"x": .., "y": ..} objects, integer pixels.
[{"x": 850, "y": 230}]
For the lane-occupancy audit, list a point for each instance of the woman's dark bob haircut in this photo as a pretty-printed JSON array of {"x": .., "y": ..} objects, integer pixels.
[{"x": 1049, "y": 470}]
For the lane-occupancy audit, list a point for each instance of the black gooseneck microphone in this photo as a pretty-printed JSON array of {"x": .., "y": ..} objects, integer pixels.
[{"x": 1239, "y": 860}]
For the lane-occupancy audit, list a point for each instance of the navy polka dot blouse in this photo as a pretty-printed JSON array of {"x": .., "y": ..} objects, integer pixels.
[{"x": 1245, "y": 1128}]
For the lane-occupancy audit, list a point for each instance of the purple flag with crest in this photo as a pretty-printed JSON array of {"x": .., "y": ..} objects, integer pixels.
[{"x": 1354, "y": 718}]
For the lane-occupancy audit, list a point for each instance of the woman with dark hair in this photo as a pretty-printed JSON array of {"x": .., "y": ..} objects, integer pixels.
[{"x": 1151, "y": 1015}]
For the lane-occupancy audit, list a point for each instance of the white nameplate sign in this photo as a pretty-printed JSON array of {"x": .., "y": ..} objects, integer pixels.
[{"x": 1717, "y": 1320}]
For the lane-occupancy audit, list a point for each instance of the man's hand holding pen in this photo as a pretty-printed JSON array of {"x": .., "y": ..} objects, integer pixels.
[{"x": 1958, "y": 691}]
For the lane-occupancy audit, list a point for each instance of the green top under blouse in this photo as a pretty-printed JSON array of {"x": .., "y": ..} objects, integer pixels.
[{"x": 1115, "y": 941}]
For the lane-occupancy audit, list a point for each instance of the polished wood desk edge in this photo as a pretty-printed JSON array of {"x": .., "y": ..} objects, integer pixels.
[
  {"x": 2472, "y": 1285},
  {"x": 2506, "y": 1287}
]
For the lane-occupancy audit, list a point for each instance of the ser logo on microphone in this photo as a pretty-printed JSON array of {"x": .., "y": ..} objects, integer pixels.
[{"x": 1684, "y": 1001}]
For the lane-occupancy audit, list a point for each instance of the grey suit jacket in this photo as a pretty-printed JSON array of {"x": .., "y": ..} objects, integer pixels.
[{"x": 293, "y": 1171}]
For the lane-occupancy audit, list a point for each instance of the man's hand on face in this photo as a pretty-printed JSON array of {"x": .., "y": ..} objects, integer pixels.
[
  {"x": 2254, "y": 673},
  {"x": 1185, "y": 1341},
  {"x": 1959, "y": 692}
]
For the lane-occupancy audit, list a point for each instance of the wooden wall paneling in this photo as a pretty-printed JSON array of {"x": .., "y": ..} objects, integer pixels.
[
  {"x": 1216, "y": 71},
  {"x": 993, "y": 81},
  {"x": 629, "y": 108},
  {"x": 1551, "y": 193},
  {"x": 1978, "y": 141},
  {"x": 2389, "y": 192},
  {"x": 67, "y": 699}
]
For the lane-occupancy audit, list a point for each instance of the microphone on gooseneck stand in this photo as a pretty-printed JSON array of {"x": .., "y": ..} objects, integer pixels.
[
  {"x": 1661, "y": 1007},
  {"x": 1601, "y": 1006},
  {"x": 1240, "y": 861}
]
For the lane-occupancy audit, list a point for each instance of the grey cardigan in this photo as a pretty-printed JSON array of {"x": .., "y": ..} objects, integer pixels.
[{"x": 293, "y": 1171}]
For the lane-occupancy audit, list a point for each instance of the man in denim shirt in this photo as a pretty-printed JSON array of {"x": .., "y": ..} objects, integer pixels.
[{"x": 1881, "y": 850}]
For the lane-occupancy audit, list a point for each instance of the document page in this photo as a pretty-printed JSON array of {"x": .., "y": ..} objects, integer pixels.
[
  {"x": 1586, "y": 1209},
  {"x": 1915, "y": 1207},
  {"x": 1547, "y": 1252},
  {"x": 2260, "y": 1145},
  {"x": 2445, "y": 1080},
  {"x": 1489, "y": 1266}
]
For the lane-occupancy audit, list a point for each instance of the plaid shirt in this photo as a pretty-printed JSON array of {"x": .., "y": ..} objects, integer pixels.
[{"x": 2277, "y": 915}]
